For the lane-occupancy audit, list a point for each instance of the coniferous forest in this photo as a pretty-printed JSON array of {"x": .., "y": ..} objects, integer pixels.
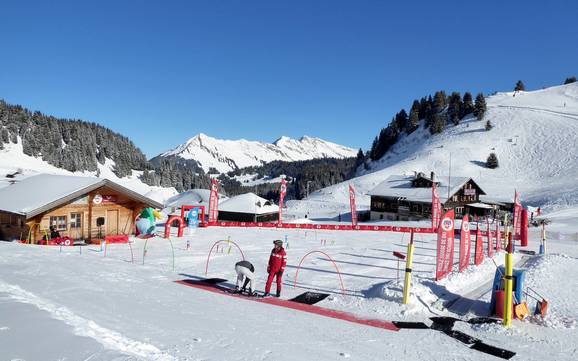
[
  {"x": 437, "y": 112},
  {"x": 77, "y": 146}
]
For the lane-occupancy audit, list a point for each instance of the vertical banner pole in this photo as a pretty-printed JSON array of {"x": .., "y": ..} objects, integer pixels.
[
  {"x": 408, "y": 266},
  {"x": 508, "y": 289}
]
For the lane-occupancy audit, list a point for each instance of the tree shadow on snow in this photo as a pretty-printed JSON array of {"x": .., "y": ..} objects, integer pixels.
[{"x": 479, "y": 163}]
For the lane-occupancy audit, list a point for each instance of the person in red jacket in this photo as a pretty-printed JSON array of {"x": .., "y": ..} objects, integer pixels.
[{"x": 277, "y": 263}]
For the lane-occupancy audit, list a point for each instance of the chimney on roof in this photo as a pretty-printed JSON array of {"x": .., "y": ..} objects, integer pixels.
[{"x": 432, "y": 176}]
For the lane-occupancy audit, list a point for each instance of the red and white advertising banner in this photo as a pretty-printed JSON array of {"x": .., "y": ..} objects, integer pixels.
[
  {"x": 517, "y": 221},
  {"x": 479, "y": 255},
  {"x": 445, "y": 250},
  {"x": 490, "y": 241},
  {"x": 498, "y": 237},
  {"x": 436, "y": 207},
  {"x": 282, "y": 193},
  {"x": 214, "y": 201},
  {"x": 465, "y": 244},
  {"x": 352, "y": 205}
]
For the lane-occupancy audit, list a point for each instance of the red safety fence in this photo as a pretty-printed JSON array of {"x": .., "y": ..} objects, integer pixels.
[{"x": 332, "y": 227}]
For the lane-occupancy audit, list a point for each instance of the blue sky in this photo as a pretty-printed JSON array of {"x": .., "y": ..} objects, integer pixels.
[{"x": 160, "y": 72}]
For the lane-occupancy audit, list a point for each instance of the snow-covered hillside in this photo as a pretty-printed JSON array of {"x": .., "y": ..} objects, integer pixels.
[
  {"x": 227, "y": 155},
  {"x": 13, "y": 159},
  {"x": 534, "y": 137}
]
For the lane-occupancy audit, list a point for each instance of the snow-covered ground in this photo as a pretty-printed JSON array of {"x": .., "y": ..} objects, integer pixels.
[{"x": 64, "y": 305}]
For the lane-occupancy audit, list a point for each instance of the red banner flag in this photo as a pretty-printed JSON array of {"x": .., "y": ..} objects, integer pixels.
[
  {"x": 214, "y": 201},
  {"x": 479, "y": 255},
  {"x": 498, "y": 237},
  {"x": 436, "y": 207},
  {"x": 445, "y": 249},
  {"x": 352, "y": 205},
  {"x": 517, "y": 221},
  {"x": 282, "y": 193},
  {"x": 490, "y": 241},
  {"x": 465, "y": 244}
]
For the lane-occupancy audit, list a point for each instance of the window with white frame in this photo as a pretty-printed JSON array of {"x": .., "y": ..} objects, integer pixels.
[{"x": 59, "y": 222}]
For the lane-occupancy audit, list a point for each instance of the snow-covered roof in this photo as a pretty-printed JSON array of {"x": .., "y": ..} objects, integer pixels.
[
  {"x": 34, "y": 195},
  {"x": 193, "y": 197},
  {"x": 248, "y": 203},
  {"x": 400, "y": 186}
]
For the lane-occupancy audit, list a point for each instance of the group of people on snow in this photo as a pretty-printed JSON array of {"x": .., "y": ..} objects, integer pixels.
[{"x": 275, "y": 268}]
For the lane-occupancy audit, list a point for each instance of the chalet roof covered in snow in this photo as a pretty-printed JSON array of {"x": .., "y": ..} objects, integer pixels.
[
  {"x": 34, "y": 195},
  {"x": 193, "y": 197},
  {"x": 400, "y": 186},
  {"x": 248, "y": 203}
]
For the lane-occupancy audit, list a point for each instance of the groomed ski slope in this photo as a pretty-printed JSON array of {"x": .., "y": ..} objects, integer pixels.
[
  {"x": 66, "y": 305},
  {"x": 534, "y": 137}
]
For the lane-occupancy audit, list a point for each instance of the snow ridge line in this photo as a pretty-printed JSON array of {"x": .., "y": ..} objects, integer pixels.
[{"x": 83, "y": 327}]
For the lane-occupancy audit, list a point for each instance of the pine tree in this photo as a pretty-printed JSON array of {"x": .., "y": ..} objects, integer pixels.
[
  {"x": 468, "y": 104},
  {"x": 492, "y": 161},
  {"x": 489, "y": 125},
  {"x": 414, "y": 116},
  {"x": 439, "y": 101},
  {"x": 455, "y": 108},
  {"x": 402, "y": 121},
  {"x": 480, "y": 106},
  {"x": 428, "y": 113},
  {"x": 570, "y": 80},
  {"x": 438, "y": 124},
  {"x": 520, "y": 86}
]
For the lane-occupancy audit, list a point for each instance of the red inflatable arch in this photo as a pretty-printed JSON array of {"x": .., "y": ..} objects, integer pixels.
[
  {"x": 168, "y": 226},
  {"x": 202, "y": 222}
]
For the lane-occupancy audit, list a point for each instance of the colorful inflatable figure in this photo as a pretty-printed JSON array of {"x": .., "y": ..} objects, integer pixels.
[{"x": 145, "y": 223}]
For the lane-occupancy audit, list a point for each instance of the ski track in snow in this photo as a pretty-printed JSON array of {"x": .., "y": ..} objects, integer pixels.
[{"x": 88, "y": 328}]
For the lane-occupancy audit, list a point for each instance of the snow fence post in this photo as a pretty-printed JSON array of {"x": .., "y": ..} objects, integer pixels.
[
  {"x": 408, "y": 266},
  {"x": 508, "y": 280}
]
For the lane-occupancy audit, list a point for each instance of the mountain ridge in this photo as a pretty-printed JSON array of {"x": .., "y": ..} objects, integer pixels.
[{"x": 225, "y": 155}]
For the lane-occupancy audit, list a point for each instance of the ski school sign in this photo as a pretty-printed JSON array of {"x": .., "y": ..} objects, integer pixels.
[
  {"x": 445, "y": 249},
  {"x": 331, "y": 227}
]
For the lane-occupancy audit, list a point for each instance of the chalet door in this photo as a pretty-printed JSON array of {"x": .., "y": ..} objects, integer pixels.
[{"x": 112, "y": 222}]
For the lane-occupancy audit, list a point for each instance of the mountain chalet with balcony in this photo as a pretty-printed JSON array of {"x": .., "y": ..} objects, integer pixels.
[{"x": 409, "y": 198}]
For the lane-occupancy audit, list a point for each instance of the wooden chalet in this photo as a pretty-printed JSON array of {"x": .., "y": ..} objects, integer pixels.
[
  {"x": 79, "y": 207},
  {"x": 408, "y": 198}
]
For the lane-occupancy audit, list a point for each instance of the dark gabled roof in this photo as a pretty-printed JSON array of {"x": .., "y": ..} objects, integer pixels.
[
  {"x": 41, "y": 193},
  {"x": 400, "y": 186}
]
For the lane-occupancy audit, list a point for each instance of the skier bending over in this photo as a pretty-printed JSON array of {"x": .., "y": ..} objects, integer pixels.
[
  {"x": 245, "y": 274},
  {"x": 277, "y": 263}
]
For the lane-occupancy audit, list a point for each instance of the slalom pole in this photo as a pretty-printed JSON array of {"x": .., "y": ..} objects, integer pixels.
[
  {"x": 173, "y": 250},
  {"x": 508, "y": 285},
  {"x": 131, "y": 253},
  {"x": 408, "y": 265},
  {"x": 543, "y": 238}
]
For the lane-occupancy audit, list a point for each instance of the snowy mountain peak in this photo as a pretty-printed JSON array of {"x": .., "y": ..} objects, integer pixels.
[{"x": 227, "y": 155}]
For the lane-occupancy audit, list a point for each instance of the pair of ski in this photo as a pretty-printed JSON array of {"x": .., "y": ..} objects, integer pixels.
[{"x": 244, "y": 293}]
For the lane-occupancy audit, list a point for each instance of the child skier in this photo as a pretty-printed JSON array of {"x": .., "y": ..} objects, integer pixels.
[{"x": 245, "y": 274}]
